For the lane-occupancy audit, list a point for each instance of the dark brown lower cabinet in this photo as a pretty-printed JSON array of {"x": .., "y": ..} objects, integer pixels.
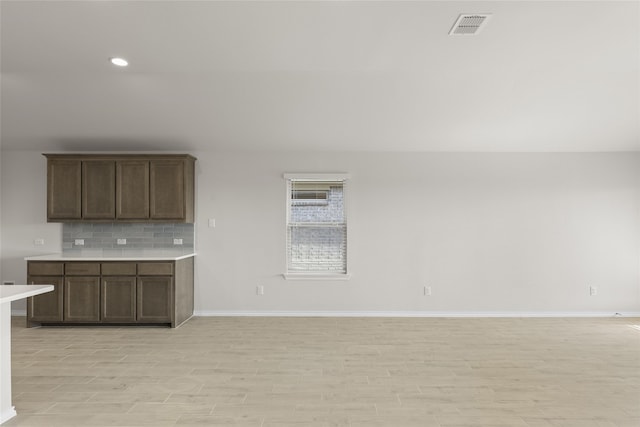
[
  {"x": 145, "y": 292},
  {"x": 118, "y": 299},
  {"x": 154, "y": 299},
  {"x": 45, "y": 307},
  {"x": 82, "y": 299}
]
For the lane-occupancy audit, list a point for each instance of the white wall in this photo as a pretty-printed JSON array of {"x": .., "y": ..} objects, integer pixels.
[
  {"x": 490, "y": 233},
  {"x": 24, "y": 214}
]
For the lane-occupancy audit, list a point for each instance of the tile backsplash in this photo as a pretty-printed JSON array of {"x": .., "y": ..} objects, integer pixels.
[{"x": 138, "y": 235}]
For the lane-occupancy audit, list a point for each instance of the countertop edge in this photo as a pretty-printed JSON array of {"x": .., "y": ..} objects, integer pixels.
[
  {"x": 18, "y": 292},
  {"x": 128, "y": 257}
]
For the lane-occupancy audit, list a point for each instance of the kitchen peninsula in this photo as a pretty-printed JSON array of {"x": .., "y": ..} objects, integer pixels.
[
  {"x": 7, "y": 295},
  {"x": 135, "y": 287}
]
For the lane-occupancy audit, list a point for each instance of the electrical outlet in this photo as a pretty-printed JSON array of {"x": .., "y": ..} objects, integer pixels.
[
  {"x": 427, "y": 291},
  {"x": 79, "y": 242},
  {"x": 38, "y": 242},
  {"x": 212, "y": 222},
  {"x": 593, "y": 291},
  {"x": 260, "y": 290},
  {"x": 122, "y": 241},
  {"x": 177, "y": 241}
]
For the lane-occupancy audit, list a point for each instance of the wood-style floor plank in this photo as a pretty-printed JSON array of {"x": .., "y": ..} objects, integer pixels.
[{"x": 351, "y": 372}]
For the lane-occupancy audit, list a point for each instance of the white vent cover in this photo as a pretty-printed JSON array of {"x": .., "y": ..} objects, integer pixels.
[{"x": 469, "y": 23}]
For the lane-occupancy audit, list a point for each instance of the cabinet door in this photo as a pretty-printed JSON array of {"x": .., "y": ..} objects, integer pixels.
[
  {"x": 155, "y": 302},
  {"x": 45, "y": 307},
  {"x": 132, "y": 189},
  {"x": 167, "y": 189},
  {"x": 98, "y": 189},
  {"x": 64, "y": 179},
  {"x": 82, "y": 299},
  {"x": 118, "y": 299}
]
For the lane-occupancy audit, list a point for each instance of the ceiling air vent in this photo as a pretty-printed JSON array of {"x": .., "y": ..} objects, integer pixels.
[{"x": 469, "y": 23}]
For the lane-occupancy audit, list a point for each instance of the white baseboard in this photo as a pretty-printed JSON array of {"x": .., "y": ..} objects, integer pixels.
[
  {"x": 232, "y": 313},
  {"x": 7, "y": 414}
]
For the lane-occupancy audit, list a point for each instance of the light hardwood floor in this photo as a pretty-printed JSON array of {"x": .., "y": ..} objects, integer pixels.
[{"x": 268, "y": 372}]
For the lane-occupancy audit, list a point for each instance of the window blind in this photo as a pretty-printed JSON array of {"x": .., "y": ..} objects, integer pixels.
[{"x": 316, "y": 232}]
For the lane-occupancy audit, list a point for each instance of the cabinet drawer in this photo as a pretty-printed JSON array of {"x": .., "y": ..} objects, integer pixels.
[
  {"x": 155, "y": 269},
  {"x": 82, "y": 269},
  {"x": 37, "y": 268},
  {"x": 119, "y": 269}
]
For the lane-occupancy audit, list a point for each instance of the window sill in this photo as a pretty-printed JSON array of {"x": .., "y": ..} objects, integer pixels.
[{"x": 316, "y": 276}]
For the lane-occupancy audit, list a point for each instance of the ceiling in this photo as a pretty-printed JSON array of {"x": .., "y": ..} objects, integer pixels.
[{"x": 320, "y": 75}]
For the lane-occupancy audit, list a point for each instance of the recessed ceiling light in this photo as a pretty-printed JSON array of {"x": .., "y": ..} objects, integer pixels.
[{"x": 120, "y": 62}]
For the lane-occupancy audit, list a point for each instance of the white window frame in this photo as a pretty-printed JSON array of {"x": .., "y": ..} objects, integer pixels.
[{"x": 325, "y": 177}]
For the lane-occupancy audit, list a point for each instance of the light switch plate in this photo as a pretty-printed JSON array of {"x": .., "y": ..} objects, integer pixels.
[{"x": 122, "y": 241}]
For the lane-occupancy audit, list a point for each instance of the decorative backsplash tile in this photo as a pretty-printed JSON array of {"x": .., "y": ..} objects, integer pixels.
[{"x": 137, "y": 235}]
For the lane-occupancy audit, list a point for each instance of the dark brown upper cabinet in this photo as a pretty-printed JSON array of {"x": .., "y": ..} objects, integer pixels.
[
  {"x": 64, "y": 187},
  {"x": 167, "y": 189},
  {"x": 98, "y": 189},
  {"x": 132, "y": 183},
  {"x": 124, "y": 188}
]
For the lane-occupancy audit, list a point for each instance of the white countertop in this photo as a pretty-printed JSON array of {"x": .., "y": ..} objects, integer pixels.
[
  {"x": 106, "y": 255},
  {"x": 10, "y": 293}
]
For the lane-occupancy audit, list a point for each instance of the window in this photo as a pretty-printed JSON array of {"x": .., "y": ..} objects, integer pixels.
[{"x": 316, "y": 226}]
